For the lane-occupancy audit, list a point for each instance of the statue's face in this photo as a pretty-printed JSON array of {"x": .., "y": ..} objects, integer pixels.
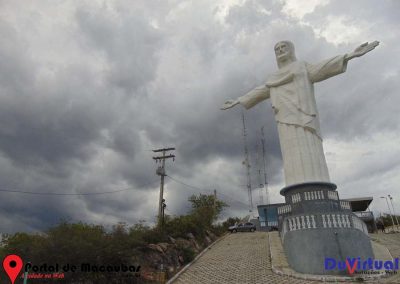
[{"x": 283, "y": 51}]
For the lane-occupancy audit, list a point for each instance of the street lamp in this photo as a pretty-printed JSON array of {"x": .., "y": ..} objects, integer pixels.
[
  {"x": 389, "y": 211},
  {"x": 391, "y": 202}
]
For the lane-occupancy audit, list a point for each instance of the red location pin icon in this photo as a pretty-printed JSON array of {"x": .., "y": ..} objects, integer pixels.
[{"x": 12, "y": 264}]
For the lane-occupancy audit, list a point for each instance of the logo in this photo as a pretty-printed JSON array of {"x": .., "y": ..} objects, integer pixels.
[
  {"x": 13, "y": 265},
  {"x": 355, "y": 264}
]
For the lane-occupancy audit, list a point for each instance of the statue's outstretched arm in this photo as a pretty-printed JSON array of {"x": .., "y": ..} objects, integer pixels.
[
  {"x": 250, "y": 99},
  {"x": 338, "y": 64},
  {"x": 361, "y": 50},
  {"x": 229, "y": 104}
]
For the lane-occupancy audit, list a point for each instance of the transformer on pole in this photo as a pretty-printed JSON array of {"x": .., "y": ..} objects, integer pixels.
[{"x": 161, "y": 172}]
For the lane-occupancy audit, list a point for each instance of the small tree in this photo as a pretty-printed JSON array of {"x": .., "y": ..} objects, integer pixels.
[{"x": 206, "y": 209}]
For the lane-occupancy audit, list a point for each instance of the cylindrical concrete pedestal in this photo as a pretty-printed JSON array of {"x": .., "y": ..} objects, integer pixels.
[{"x": 318, "y": 230}]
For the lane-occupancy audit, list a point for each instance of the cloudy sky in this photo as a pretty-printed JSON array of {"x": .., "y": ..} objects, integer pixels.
[{"x": 89, "y": 88}]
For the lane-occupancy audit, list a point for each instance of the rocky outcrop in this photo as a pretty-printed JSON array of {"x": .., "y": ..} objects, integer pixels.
[
  {"x": 155, "y": 247},
  {"x": 172, "y": 256}
]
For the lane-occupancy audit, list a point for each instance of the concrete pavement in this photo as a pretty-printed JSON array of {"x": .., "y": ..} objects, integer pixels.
[{"x": 246, "y": 258}]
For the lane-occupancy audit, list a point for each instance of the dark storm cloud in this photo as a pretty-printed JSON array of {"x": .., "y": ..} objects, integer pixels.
[{"x": 130, "y": 44}]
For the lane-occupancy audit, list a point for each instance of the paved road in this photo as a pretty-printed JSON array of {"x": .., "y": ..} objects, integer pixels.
[
  {"x": 245, "y": 258},
  {"x": 238, "y": 258}
]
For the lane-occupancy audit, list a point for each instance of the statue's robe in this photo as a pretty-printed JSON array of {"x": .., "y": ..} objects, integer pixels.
[{"x": 292, "y": 97}]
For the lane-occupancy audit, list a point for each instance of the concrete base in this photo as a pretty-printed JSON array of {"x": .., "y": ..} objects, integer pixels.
[
  {"x": 280, "y": 266},
  {"x": 308, "y": 251},
  {"x": 315, "y": 224}
]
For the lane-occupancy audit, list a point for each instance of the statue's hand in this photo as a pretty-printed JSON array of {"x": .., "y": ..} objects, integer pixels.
[
  {"x": 229, "y": 104},
  {"x": 364, "y": 48}
]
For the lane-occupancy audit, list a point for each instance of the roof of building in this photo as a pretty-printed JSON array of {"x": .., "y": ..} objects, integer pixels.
[
  {"x": 360, "y": 203},
  {"x": 270, "y": 205}
]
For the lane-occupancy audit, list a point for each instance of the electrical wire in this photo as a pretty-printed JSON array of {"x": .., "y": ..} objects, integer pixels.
[
  {"x": 191, "y": 186},
  {"x": 208, "y": 191}
]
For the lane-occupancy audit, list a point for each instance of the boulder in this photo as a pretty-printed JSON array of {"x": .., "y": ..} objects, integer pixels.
[
  {"x": 163, "y": 246},
  {"x": 183, "y": 243},
  {"x": 211, "y": 235},
  {"x": 190, "y": 236},
  {"x": 155, "y": 247},
  {"x": 195, "y": 245},
  {"x": 171, "y": 240}
]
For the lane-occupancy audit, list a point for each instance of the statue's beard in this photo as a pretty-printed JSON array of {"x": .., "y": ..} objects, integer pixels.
[{"x": 284, "y": 59}]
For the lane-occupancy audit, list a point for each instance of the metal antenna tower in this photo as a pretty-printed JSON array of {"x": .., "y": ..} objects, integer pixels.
[
  {"x": 265, "y": 165},
  {"x": 247, "y": 165},
  {"x": 259, "y": 180}
]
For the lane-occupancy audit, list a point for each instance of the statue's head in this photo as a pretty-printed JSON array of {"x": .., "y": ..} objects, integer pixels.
[{"x": 284, "y": 52}]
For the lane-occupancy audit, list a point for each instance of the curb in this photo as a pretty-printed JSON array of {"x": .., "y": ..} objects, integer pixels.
[
  {"x": 324, "y": 278},
  {"x": 180, "y": 272}
]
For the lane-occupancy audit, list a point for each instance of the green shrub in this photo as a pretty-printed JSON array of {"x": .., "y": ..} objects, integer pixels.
[{"x": 188, "y": 254}]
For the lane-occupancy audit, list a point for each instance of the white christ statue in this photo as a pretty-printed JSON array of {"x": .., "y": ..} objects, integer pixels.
[{"x": 292, "y": 97}]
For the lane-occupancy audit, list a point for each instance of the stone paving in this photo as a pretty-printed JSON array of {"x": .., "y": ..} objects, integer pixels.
[
  {"x": 239, "y": 258},
  {"x": 392, "y": 242},
  {"x": 246, "y": 258}
]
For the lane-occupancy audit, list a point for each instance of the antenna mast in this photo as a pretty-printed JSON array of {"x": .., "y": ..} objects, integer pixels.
[
  {"x": 259, "y": 180},
  {"x": 247, "y": 165},
  {"x": 265, "y": 164}
]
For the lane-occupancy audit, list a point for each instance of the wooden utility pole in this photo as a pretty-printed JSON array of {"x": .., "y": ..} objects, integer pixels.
[{"x": 161, "y": 172}]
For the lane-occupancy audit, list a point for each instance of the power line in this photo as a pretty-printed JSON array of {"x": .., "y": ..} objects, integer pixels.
[
  {"x": 188, "y": 185},
  {"x": 202, "y": 190}
]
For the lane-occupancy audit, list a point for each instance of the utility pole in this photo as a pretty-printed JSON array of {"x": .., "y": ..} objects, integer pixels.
[
  {"x": 163, "y": 206},
  {"x": 247, "y": 165},
  {"x": 161, "y": 172},
  {"x": 391, "y": 202},
  {"x": 265, "y": 164}
]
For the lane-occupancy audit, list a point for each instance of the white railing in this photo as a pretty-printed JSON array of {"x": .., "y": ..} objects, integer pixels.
[
  {"x": 345, "y": 205},
  {"x": 335, "y": 221},
  {"x": 333, "y": 195},
  {"x": 296, "y": 198},
  {"x": 364, "y": 214},
  {"x": 359, "y": 224},
  {"x": 304, "y": 222},
  {"x": 301, "y": 222},
  {"x": 313, "y": 195},
  {"x": 284, "y": 209}
]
